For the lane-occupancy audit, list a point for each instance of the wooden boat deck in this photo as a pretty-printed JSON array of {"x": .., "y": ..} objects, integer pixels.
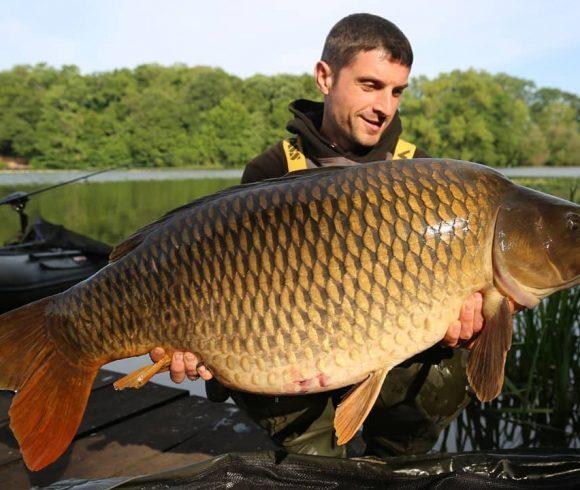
[{"x": 135, "y": 432}]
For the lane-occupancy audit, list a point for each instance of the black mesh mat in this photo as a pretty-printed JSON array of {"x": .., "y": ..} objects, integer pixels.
[{"x": 501, "y": 470}]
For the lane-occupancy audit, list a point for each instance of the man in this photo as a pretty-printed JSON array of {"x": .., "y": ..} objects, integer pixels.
[{"x": 362, "y": 74}]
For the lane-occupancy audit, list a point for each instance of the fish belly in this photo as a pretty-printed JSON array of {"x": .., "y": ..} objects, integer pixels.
[{"x": 334, "y": 360}]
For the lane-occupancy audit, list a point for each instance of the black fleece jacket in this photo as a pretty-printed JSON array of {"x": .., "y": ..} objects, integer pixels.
[{"x": 306, "y": 124}]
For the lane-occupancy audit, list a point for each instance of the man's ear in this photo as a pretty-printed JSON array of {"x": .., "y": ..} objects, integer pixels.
[{"x": 324, "y": 77}]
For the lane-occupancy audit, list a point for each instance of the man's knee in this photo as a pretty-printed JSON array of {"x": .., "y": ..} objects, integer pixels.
[
  {"x": 299, "y": 424},
  {"x": 415, "y": 404}
]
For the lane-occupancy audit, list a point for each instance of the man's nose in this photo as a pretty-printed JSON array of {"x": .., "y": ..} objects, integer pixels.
[{"x": 384, "y": 104}]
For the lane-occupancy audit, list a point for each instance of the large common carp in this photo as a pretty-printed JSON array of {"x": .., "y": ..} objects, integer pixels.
[{"x": 314, "y": 281}]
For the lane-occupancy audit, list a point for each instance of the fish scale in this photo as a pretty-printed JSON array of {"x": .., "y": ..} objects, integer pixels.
[{"x": 330, "y": 276}]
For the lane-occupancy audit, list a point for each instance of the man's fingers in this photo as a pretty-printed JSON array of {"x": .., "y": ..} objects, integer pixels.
[
  {"x": 182, "y": 365},
  {"x": 478, "y": 313},
  {"x": 177, "y": 368},
  {"x": 452, "y": 335},
  {"x": 156, "y": 354},
  {"x": 466, "y": 318},
  {"x": 190, "y": 361},
  {"x": 204, "y": 372}
]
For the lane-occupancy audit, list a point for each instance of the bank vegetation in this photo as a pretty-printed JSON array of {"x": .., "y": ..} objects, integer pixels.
[{"x": 180, "y": 116}]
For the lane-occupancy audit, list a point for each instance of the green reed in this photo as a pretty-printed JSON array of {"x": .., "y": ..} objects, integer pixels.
[
  {"x": 543, "y": 372},
  {"x": 540, "y": 402}
]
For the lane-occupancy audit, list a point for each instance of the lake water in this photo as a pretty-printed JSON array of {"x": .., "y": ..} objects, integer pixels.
[
  {"x": 106, "y": 211},
  {"x": 56, "y": 176},
  {"x": 111, "y": 206}
]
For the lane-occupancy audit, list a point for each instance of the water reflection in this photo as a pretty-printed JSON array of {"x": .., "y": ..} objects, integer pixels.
[{"x": 107, "y": 211}]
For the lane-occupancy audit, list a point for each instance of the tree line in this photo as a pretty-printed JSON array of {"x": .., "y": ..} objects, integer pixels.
[{"x": 156, "y": 116}]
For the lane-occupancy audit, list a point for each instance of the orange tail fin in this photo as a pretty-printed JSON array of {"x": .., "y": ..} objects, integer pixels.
[{"x": 52, "y": 391}]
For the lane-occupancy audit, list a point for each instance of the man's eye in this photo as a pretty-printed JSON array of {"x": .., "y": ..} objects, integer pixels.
[
  {"x": 368, "y": 87},
  {"x": 398, "y": 92}
]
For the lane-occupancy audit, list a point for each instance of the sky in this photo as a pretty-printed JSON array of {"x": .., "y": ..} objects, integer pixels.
[{"x": 535, "y": 40}]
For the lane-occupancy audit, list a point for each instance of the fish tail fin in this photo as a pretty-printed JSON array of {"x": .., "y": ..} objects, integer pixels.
[{"x": 52, "y": 392}]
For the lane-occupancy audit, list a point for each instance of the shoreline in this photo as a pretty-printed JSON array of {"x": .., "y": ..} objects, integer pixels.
[{"x": 27, "y": 177}]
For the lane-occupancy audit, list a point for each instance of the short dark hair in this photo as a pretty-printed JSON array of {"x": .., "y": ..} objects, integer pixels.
[{"x": 365, "y": 32}]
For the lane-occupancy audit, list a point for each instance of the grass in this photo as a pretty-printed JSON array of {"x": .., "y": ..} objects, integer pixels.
[
  {"x": 544, "y": 366},
  {"x": 540, "y": 403}
]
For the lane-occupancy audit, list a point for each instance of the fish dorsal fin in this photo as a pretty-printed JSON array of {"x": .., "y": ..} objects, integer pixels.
[
  {"x": 357, "y": 404},
  {"x": 485, "y": 369},
  {"x": 127, "y": 245},
  {"x": 311, "y": 171},
  {"x": 136, "y": 238},
  {"x": 139, "y": 236}
]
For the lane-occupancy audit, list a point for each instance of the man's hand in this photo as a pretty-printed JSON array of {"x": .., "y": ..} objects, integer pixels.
[
  {"x": 462, "y": 332},
  {"x": 469, "y": 324},
  {"x": 183, "y": 364}
]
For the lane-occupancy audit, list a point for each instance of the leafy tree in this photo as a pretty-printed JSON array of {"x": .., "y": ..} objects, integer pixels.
[
  {"x": 557, "y": 114},
  {"x": 158, "y": 116},
  {"x": 229, "y": 134},
  {"x": 472, "y": 115},
  {"x": 22, "y": 91}
]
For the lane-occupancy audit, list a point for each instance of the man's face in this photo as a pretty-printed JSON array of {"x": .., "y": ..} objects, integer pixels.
[{"x": 361, "y": 101}]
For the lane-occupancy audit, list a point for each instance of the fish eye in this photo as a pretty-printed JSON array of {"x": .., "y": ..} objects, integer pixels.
[{"x": 573, "y": 222}]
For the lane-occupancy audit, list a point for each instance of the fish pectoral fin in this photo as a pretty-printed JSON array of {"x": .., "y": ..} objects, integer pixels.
[
  {"x": 485, "y": 369},
  {"x": 357, "y": 404},
  {"x": 141, "y": 376}
]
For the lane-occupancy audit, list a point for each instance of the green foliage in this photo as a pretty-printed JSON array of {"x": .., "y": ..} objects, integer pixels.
[
  {"x": 493, "y": 119},
  {"x": 229, "y": 134},
  {"x": 156, "y": 116}
]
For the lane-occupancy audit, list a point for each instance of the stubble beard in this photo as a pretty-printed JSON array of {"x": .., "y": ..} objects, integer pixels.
[{"x": 361, "y": 137}]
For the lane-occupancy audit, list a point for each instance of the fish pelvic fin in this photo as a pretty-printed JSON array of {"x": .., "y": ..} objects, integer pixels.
[
  {"x": 141, "y": 376},
  {"x": 52, "y": 392},
  {"x": 486, "y": 365},
  {"x": 354, "y": 408}
]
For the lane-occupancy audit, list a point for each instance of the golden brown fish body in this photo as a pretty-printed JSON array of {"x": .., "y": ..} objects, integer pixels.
[
  {"x": 298, "y": 285},
  {"x": 318, "y": 280}
]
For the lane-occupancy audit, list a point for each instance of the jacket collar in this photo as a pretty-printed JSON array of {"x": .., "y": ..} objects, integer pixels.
[{"x": 306, "y": 124}]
